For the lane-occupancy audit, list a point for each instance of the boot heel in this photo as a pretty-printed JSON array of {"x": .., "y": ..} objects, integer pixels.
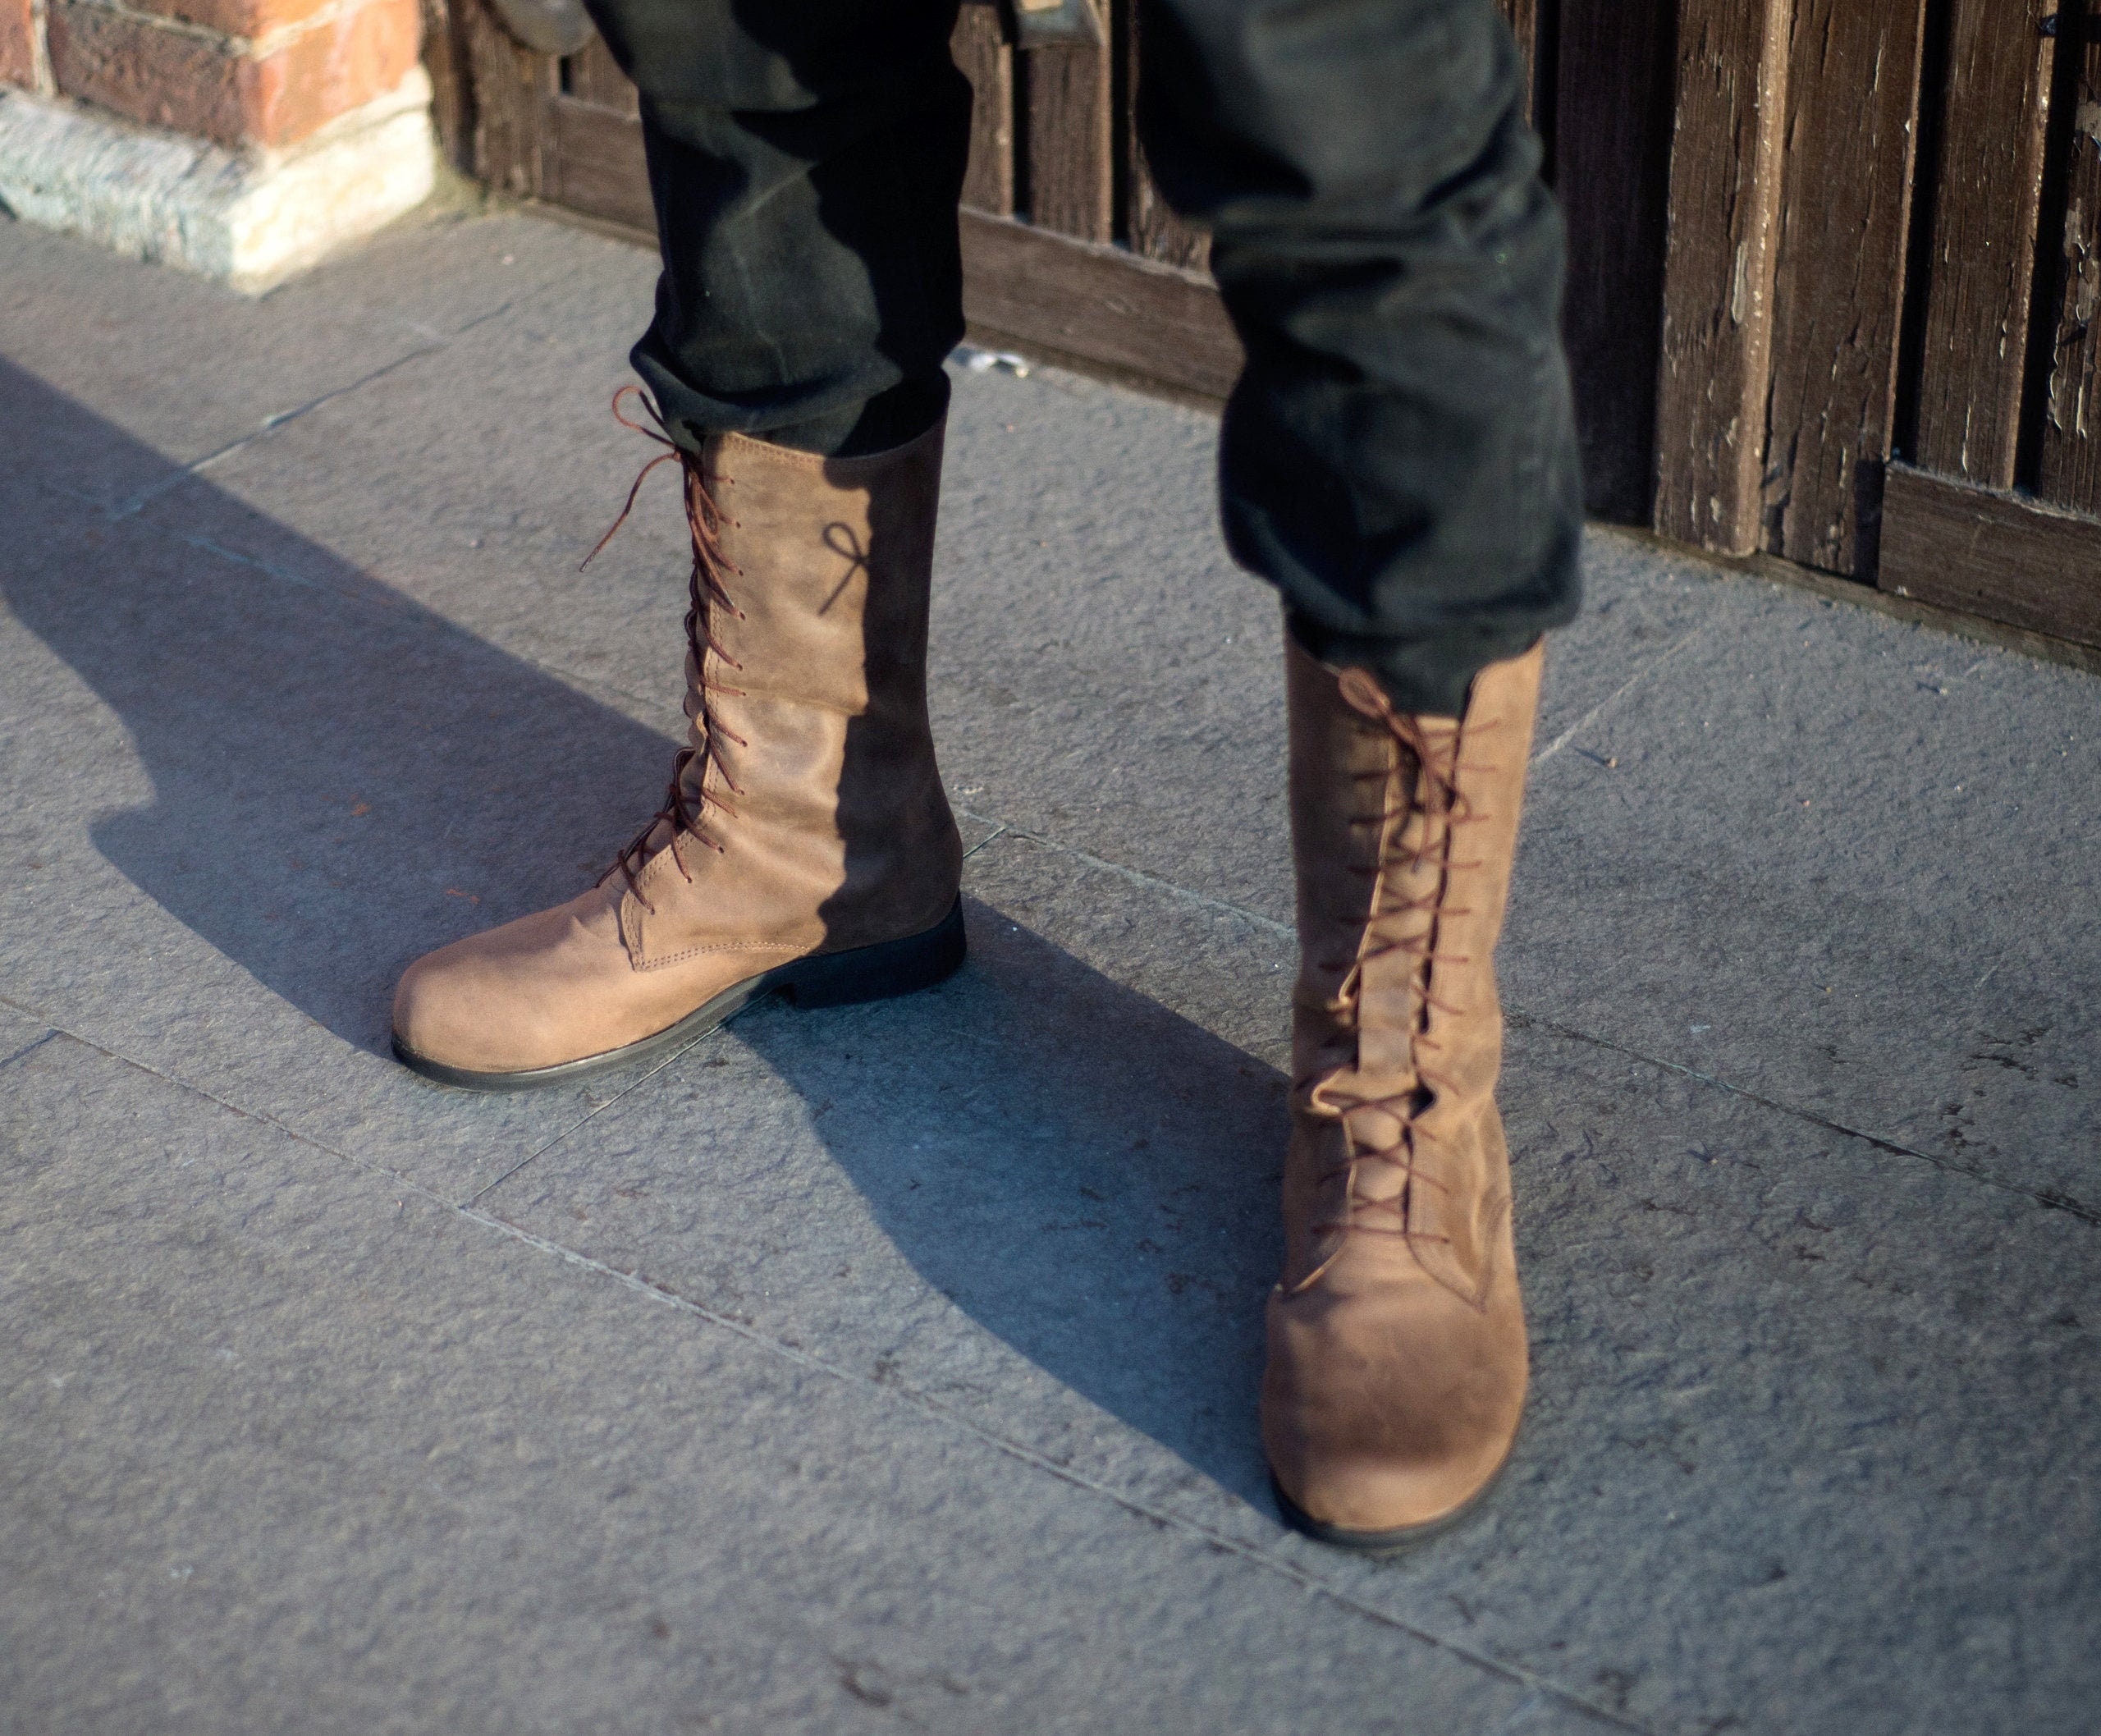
[{"x": 876, "y": 973}]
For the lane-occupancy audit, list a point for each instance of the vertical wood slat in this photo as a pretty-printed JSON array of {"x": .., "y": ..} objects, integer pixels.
[
  {"x": 1071, "y": 138},
  {"x": 1717, "y": 288},
  {"x": 985, "y": 58},
  {"x": 2070, "y": 473},
  {"x": 1989, "y": 179},
  {"x": 1839, "y": 291},
  {"x": 452, "y": 98},
  {"x": 1149, "y": 221},
  {"x": 592, "y": 75},
  {"x": 1523, "y": 18},
  {"x": 1614, "y": 65},
  {"x": 511, "y": 86}
]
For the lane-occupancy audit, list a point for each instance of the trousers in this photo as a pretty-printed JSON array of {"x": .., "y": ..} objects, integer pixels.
[{"x": 1398, "y": 456}]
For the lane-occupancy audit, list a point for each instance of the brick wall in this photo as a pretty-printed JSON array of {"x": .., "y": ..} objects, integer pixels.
[
  {"x": 237, "y": 72},
  {"x": 22, "y": 41}
]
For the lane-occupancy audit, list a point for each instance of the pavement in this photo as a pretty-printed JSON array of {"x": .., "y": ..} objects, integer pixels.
[{"x": 894, "y": 1366}]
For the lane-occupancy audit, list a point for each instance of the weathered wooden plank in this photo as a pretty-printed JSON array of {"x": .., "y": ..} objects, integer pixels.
[
  {"x": 1612, "y": 106},
  {"x": 1731, "y": 98},
  {"x": 1987, "y": 184},
  {"x": 452, "y": 96},
  {"x": 592, "y": 75},
  {"x": 1149, "y": 221},
  {"x": 511, "y": 87},
  {"x": 594, "y": 163},
  {"x": 2069, "y": 469},
  {"x": 2002, "y": 556},
  {"x": 987, "y": 61},
  {"x": 1097, "y": 303},
  {"x": 1070, "y": 172},
  {"x": 1839, "y": 286},
  {"x": 1524, "y": 19}
]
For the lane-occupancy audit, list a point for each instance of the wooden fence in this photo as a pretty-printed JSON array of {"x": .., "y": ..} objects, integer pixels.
[{"x": 1835, "y": 265}]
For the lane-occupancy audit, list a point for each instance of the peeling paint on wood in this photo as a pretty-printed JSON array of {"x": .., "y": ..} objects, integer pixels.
[
  {"x": 1838, "y": 289},
  {"x": 2070, "y": 468},
  {"x": 1719, "y": 257},
  {"x": 1988, "y": 178}
]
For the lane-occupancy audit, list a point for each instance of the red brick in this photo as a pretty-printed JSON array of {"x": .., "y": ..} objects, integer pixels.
[
  {"x": 192, "y": 86},
  {"x": 17, "y": 44},
  {"x": 154, "y": 75},
  {"x": 332, "y": 69},
  {"x": 249, "y": 18}
]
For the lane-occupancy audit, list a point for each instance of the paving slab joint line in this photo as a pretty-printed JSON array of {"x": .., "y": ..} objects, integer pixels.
[
  {"x": 1137, "y": 877},
  {"x": 619, "y": 1096},
  {"x": 2050, "y": 1199},
  {"x": 1223, "y": 1542},
  {"x": 279, "y": 419},
  {"x": 1613, "y": 697}
]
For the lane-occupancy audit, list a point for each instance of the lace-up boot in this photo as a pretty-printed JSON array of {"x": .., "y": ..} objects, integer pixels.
[
  {"x": 805, "y": 845},
  {"x": 1397, "y": 1361}
]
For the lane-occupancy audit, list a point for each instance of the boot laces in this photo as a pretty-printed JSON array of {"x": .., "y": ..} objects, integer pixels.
[
  {"x": 1434, "y": 795},
  {"x": 687, "y": 800}
]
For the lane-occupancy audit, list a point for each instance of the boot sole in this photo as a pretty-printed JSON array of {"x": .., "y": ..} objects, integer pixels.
[
  {"x": 1395, "y": 1542},
  {"x": 876, "y": 972}
]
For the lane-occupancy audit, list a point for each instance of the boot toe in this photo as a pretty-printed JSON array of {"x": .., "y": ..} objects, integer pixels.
[
  {"x": 1383, "y": 1499},
  {"x": 1377, "y": 1431},
  {"x": 441, "y": 1014},
  {"x": 545, "y": 990}
]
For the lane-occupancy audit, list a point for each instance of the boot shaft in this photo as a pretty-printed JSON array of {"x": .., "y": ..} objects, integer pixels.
[
  {"x": 1404, "y": 829},
  {"x": 810, "y": 776}
]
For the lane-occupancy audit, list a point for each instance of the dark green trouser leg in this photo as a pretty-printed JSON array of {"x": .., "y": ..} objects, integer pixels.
[
  {"x": 1399, "y": 457},
  {"x": 805, "y": 157}
]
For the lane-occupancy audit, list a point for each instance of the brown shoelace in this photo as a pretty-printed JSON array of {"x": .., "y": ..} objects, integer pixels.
[
  {"x": 1444, "y": 807},
  {"x": 686, "y": 806}
]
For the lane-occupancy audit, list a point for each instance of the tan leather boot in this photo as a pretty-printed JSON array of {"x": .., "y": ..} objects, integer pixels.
[
  {"x": 1397, "y": 1360},
  {"x": 806, "y": 844}
]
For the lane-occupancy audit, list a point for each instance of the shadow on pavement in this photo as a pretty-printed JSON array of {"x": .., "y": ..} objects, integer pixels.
[{"x": 343, "y": 779}]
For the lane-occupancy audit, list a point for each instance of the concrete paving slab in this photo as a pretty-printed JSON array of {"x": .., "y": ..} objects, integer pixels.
[
  {"x": 1806, "y": 1447},
  {"x": 1098, "y": 660},
  {"x": 149, "y": 347},
  {"x": 1102, "y": 666},
  {"x": 1043, "y": 1198},
  {"x": 287, "y": 1448},
  {"x": 500, "y": 466},
  {"x": 1844, "y": 862},
  {"x": 242, "y": 797},
  {"x": 789, "y": 1169}
]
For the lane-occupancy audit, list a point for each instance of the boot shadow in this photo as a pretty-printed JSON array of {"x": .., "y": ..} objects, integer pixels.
[
  {"x": 1087, "y": 1175},
  {"x": 341, "y": 780}
]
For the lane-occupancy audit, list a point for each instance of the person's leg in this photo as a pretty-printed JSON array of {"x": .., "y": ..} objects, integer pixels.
[
  {"x": 805, "y": 162},
  {"x": 1399, "y": 459}
]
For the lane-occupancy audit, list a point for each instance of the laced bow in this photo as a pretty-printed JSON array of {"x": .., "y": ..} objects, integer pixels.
[
  {"x": 1434, "y": 795},
  {"x": 687, "y": 800}
]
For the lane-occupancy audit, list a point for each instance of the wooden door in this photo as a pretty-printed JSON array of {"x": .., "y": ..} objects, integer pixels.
[
  {"x": 1834, "y": 265},
  {"x": 1995, "y": 505}
]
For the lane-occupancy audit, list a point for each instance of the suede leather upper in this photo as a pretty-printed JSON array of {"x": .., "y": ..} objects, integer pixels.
[
  {"x": 818, "y": 820},
  {"x": 1397, "y": 1354}
]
